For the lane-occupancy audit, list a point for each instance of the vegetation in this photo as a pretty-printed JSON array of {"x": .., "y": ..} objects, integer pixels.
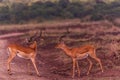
[{"x": 62, "y": 9}]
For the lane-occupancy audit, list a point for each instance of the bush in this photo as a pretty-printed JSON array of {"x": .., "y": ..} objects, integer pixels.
[{"x": 62, "y": 9}]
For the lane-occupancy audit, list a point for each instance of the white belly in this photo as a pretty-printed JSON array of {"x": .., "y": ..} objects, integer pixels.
[
  {"x": 82, "y": 56},
  {"x": 23, "y": 55}
]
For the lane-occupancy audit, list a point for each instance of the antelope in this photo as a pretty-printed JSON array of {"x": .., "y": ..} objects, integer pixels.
[
  {"x": 79, "y": 53},
  {"x": 29, "y": 52},
  {"x": 23, "y": 52}
]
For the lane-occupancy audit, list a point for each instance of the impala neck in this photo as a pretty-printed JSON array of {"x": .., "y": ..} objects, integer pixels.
[
  {"x": 33, "y": 46},
  {"x": 66, "y": 50}
]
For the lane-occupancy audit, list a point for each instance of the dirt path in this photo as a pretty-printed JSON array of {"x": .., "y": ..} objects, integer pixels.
[
  {"x": 11, "y": 35},
  {"x": 19, "y": 67}
]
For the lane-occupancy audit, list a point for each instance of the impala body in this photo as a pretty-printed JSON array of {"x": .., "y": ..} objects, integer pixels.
[{"x": 23, "y": 52}]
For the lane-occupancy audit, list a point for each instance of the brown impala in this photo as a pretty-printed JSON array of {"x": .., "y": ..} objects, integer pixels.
[
  {"x": 23, "y": 52},
  {"x": 79, "y": 53}
]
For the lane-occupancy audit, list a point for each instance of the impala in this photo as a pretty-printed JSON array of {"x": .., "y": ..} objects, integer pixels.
[
  {"x": 23, "y": 52},
  {"x": 79, "y": 53}
]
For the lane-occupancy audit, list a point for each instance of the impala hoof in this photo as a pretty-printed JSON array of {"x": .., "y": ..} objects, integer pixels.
[
  {"x": 38, "y": 75},
  {"x": 9, "y": 72},
  {"x": 88, "y": 74},
  {"x": 73, "y": 77},
  {"x": 102, "y": 71}
]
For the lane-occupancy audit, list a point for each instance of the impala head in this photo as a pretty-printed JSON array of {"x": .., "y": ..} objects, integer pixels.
[
  {"x": 60, "y": 42},
  {"x": 33, "y": 45},
  {"x": 33, "y": 38},
  {"x": 60, "y": 45}
]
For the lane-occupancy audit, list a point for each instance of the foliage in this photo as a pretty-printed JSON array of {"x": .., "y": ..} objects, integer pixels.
[{"x": 63, "y": 9}]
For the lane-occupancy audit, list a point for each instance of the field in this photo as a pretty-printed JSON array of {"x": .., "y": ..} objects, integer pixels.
[{"x": 52, "y": 63}]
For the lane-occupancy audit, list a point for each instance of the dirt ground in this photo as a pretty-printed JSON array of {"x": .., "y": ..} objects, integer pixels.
[{"x": 49, "y": 69}]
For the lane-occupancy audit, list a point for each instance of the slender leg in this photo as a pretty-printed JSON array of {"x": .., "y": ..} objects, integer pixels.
[
  {"x": 93, "y": 55},
  {"x": 89, "y": 66},
  {"x": 9, "y": 61},
  {"x": 28, "y": 65},
  {"x": 73, "y": 74},
  {"x": 33, "y": 61},
  {"x": 78, "y": 68},
  {"x": 99, "y": 61}
]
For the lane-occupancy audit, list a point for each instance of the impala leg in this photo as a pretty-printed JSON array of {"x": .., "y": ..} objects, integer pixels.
[
  {"x": 73, "y": 73},
  {"x": 9, "y": 61},
  {"x": 78, "y": 68},
  {"x": 89, "y": 66},
  {"x": 97, "y": 59},
  {"x": 28, "y": 65},
  {"x": 33, "y": 61}
]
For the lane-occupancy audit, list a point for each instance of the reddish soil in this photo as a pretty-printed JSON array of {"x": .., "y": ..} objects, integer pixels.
[{"x": 51, "y": 66}]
